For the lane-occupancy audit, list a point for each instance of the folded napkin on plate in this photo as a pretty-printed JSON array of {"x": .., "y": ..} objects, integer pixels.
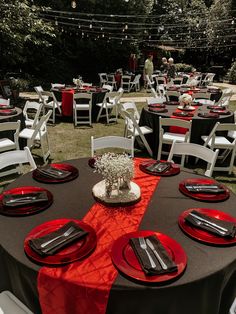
[
  {"x": 212, "y": 224},
  {"x": 159, "y": 167},
  {"x": 54, "y": 173},
  {"x": 61, "y": 239},
  {"x": 144, "y": 260},
  {"x": 221, "y": 112},
  {"x": 213, "y": 188},
  {"x": 208, "y": 115},
  {"x": 12, "y": 200}
]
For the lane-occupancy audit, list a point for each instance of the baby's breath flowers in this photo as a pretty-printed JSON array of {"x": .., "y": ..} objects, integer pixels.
[
  {"x": 185, "y": 100},
  {"x": 116, "y": 169}
]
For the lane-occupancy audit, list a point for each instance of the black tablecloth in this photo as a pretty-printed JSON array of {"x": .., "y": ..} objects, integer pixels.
[
  {"x": 200, "y": 126},
  {"x": 206, "y": 287}
]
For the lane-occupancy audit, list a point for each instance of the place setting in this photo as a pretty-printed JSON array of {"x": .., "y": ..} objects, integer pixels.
[
  {"x": 7, "y": 111},
  {"x": 220, "y": 111},
  {"x": 211, "y": 115},
  {"x": 209, "y": 226},
  {"x": 203, "y": 189},
  {"x": 149, "y": 257},
  {"x": 59, "y": 242},
  {"x": 159, "y": 167},
  {"x": 24, "y": 201},
  {"x": 55, "y": 173}
]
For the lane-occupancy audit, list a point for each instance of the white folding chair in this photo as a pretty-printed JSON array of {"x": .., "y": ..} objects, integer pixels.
[
  {"x": 50, "y": 104},
  {"x": 133, "y": 129},
  {"x": 161, "y": 91},
  {"x": 111, "y": 80},
  {"x": 215, "y": 141},
  {"x": 225, "y": 98},
  {"x": 112, "y": 142},
  {"x": 160, "y": 80},
  {"x": 82, "y": 102},
  {"x": 172, "y": 95},
  {"x": 7, "y": 143},
  {"x": 155, "y": 100},
  {"x": 135, "y": 83},
  {"x": 199, "y": 151},
  {"x": 39, "y": 91},
  {"x": 57, "y": 85},
  {"x": 149, "y": 83},
  {"x": 166, "y": 137},
  {"x": 38, "y": 134},
  {"x": 208, "y": 79},
  {"x": 177, "y": 81},
  {"x": 108, "y": 107},
  {"x": 130, "y": 107},
  {"x": 108, "y": 87},
  {"x": 31, "y": 112},
  {"x": 126, "y": 82},
  {"x": 103, "y": 78},
  {"x": 15, "y": 157}
]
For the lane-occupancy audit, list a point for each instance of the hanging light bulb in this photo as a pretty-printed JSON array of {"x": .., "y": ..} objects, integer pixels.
[
  {"x": 126, "y": 26},
  {"x": 73, "y": 4}
]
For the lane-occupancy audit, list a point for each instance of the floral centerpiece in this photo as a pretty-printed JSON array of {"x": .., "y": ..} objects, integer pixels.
[
  {"x": 185, "y": 100},
  {"x": 78, "y": 81},
  {"x": 117, "y": 171}
]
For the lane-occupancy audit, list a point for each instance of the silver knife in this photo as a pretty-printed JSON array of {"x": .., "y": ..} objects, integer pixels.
[
  {"x": 209, "y": 222},
  {"x": 163, "y": 265}
]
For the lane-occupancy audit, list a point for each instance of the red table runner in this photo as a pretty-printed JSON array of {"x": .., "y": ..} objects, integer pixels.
[
  {"x": 83, "y": 287},
  {"x": 176, "y": 129},
  {"x": 67, "y": 103}
]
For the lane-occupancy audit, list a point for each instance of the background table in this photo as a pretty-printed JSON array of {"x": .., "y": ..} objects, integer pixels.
[
  {"x": 200, "y": 126},
  {"x": 206, "y": 287}
]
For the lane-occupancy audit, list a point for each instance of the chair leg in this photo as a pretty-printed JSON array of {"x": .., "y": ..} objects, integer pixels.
[{"x": 99, "y": 113}]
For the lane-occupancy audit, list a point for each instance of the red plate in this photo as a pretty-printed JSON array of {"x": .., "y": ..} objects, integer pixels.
[
  {"x": 126, "y": 261},
  {"x": 208, "y": 115},
  {"x": 26, "y": 209},
  {"x": 73, "y": 252},
  {"x": 173, "y": 170},
  {"x": 66, "y": 167},
  {"x": 221, "y": 112},
  {"x": 204, "y": 196},
  {"x": 183, "y": 114},
  {"x": 172, "y": 103},
  {"x": 156, "y": 106},
  {"x": 158, "y": 110},
  {"x": 203, "y": 235}
]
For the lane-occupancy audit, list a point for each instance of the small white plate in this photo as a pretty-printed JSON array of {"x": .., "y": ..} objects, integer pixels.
[{"x": 190, "y": 108}]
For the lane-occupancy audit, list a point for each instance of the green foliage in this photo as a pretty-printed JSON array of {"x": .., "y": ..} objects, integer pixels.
[
  {"x": 182, "y": 67},
  {"x": 232, "y": 73},
  {"x": 20, "y": 29}
]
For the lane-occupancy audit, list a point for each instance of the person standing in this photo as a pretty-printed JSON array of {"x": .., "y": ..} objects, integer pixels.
[
  {"x": 148, "y": 66},
  {"x": 171, "y": 70},
  {"x": 165, "y": 66}
]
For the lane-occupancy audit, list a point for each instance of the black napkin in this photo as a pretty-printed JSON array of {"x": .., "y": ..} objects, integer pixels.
[
  {"x": 221, "y": 112},
  {"x": 13, "y": 200},
  {"x": 55, "y": 246},
  {"x": 144, "y": 260},
  {"x": 208, "y": 115},
  {"x": 213, "y": 188},
  {"x": 159, "y": 167},
  {"x": 216, "y": 107},
  {"x": 229, "y": 226},
  {"x": 54, "y": 173}
]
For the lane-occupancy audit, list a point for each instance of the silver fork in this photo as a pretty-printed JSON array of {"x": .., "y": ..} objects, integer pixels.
[
  {"x": 201, "y": 223},
  {"x": 65, "y": 234},
  {"x": 143, "y": 246}
]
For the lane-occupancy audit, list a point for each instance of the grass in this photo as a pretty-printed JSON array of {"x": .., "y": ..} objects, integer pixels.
[{"x": 68, "y": 142}]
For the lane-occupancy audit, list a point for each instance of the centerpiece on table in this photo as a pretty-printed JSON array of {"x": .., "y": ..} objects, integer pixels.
[
  {"x": 78, "y": 82},
  {"x": 116, "y": 188},
  {"x": 185, "y": 101}
]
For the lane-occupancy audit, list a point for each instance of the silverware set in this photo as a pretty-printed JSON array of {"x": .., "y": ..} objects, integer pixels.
[
  {"x": 144, "y": 245},
  {"x": 203, "y": 222}
]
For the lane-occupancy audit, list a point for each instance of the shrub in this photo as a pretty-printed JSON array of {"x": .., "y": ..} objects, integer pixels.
[
  {"x": 183, "y": 67},
  {"x": 232, "y": 73}
]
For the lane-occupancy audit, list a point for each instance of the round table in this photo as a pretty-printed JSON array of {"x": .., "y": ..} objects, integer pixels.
[
  {"x": 200, "y": 126},
  {"x": 66, "y": 96},
  {"x": 206, "y": 286}
]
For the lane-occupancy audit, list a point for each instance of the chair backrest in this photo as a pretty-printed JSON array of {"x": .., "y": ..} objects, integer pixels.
[
  {"x": 199, "y": 95},
  {"x": 132, "y": 107},
  {"x": 10, "y": 126},
  {"x": 155, "y": 100},
  {"x": 126, "y": 79},
  {"x": 16, "y": 157},
  {"x": 173, "y": 95},
  {"x": 160, "y": 80},
  {"x": 149, "y": 82},
  {"x": 209, "y": 78},
  {"x": 199, "y": 151},
  {"x": 168, "y": 122},
  {"x": 112, "y": 142},
  {"x": 221, "y": 127},
  {"x": 108, "y": 87},
  {"x": 82, "y": 96},
  {"x": 5, "y": 102},
  {"x": 39, "y": 91},
  {"x": 103, "y": 77},
  {"x": 29, "y": 105},
  {"x": 40, "y": 127},
  {"x": 57, "y": 85},
  {"x": 154, "y": 93},
  {"x": 177, "y": 80},
  {"x": 45, "y": 98},
  {"x": 161, "y": 90},
  {"x": 136, "y": 79}
]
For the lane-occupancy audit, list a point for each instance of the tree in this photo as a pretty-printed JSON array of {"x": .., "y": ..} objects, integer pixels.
[{"x": 21, "y": 29}]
